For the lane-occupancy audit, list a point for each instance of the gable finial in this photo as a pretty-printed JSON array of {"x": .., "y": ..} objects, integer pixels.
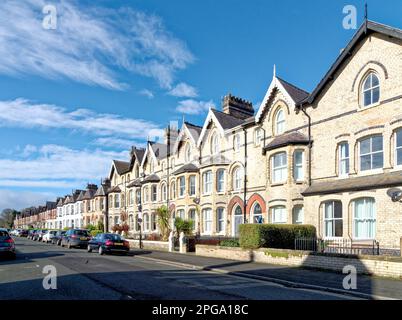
[
  {"x": 365, "y": 17},
  {"x": 274, "y": 72}
]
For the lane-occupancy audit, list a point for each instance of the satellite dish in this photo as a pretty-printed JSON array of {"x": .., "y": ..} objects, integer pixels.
[{"x": 395, "y": 194}]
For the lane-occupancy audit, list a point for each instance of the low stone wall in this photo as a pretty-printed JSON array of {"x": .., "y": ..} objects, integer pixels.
[
  {"x": 149, "y": 245},
  {"x": 384, "y": 266}
]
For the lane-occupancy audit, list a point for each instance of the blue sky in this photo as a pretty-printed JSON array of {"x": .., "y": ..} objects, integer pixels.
[{"x": 114, "y": 72}]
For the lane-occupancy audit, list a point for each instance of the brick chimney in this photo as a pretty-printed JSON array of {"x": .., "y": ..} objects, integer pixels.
[{"x": 237, "y": 107}]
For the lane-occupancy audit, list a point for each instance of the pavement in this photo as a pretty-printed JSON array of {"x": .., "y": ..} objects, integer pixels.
[
  {"x": 142, "y": 275},
  {"x": 368, "y": 287}
]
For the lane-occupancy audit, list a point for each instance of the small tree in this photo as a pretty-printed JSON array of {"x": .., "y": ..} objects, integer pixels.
[
  {"x": 163, "y": 222},
  {"x": 90, "y": 227},
  {"x": 185, "y": 226},
  {"x": 100, "y": 225}
]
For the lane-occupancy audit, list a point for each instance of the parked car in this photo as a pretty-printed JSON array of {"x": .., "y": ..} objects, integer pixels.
[
  {"x": 39, "y": 234},
  {"x": 75, "y": 238},
  {"x": 23, "y": 233},
  {"x": 57, "y": 237},
  {"x": 108, "y": 243},
  {"x": 32, "y": 234},
  {"x": 7, "y": 245},
  {"x": 48, "y": 236}
]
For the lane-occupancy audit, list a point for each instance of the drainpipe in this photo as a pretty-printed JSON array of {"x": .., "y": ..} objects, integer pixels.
[
  {"x": 106, "y": 212},
  {"x": 309, "y": 144},
  {"x": 245, "y": 176}
]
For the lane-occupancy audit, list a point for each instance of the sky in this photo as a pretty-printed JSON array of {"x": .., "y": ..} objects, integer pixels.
[{"x": 80, "y": 91}]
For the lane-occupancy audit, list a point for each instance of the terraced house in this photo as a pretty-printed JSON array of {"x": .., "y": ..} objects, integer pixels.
[{"x": 331, "y": 158}]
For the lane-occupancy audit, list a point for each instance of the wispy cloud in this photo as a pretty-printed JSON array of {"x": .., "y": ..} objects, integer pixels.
[
  {"x": 191, "y": 106},
  {"x": 117, "y": 143},
  {"x": 183, "y": 90},
  {"x": 55, "y": 166},
  {"x": 90, "y": 44},
  {"x": 148, "y": 93},
  {"x": 26, "y": 114},
  {"x": 23, "y": 199}
]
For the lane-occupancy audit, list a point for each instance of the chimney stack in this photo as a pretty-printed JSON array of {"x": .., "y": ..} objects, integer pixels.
[{"x": 237, "y": 107}]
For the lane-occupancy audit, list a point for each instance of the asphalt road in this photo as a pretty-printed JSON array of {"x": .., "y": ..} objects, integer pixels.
[{"x": 82, "y": 275}]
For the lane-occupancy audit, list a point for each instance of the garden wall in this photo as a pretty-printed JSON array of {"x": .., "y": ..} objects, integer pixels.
[
  {"x": 385, "y": 266},
  {"x": 149, "y": 245}
]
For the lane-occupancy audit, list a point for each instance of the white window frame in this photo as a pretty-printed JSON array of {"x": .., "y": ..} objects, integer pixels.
[
  {"x": 365, "y": 219},
  {"x": 238, "y": 178},
  {"x": 283, "y": 214},
  {"x": 220, "y": 220},
  {"x": 220, "y": 181},
  {"x": 371, "y": 153},
  {"x": 182, "y": 187},
  {"x": 236, "y": 142},
  {"x": 280, "y": 124},
  {"x": 207, "y": 220},
  {"x": 295, "y": 219},
  {"x": 343, "y": 159},
  {"x": 207, "y": 183},
  {"x": 214, "y": 144},
  {"x": 192, "y": 181},
  {"x": 399, "y": 131},
  {"x": 154, "y": 187},
  {"x": 333, "y": 219},
  {"x": 370, "y": 89},
  {"x": 187, "y": 154},
  {"x": 283, "y": 168},
  {"x": 258, "y": 136},
  {"x": 298, "y": 165}
]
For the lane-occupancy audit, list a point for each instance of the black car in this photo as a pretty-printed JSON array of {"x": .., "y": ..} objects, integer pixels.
[
  {"x": 108, "y": 243},
  {"x": 75, "y": 238},
  {"x": 23, "y": 233},
  {"x": 7, "y": 245},
  {"x": 57, "y": 238}
]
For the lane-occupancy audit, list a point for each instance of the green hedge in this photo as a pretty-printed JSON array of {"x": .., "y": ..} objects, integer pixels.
[
  {"x": 229, "y": 243},
  {"x": 281, "y": 236},
  {"x": 95, "y": 232}
]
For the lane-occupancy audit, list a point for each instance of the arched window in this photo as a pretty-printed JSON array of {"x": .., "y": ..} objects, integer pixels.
[
  {"x": 236, "y": 142},
  {"x": 257, "y": 213},
  {"x": 146, "y": 222},
  {"x": 164, "y": 192},
  {"x": 371, "y": 89},
  {"x": 214, "y": 144},
  {"x": 364, "y": 218},
  {"x": 279, "y": 122},
  {"x": 237, "y": 178},
  {"x": 187, "y": 154}
]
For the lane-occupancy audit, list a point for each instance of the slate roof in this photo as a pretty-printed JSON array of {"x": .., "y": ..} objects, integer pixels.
[
  {"x": 115, "y": 189},
  {"x": 89, "y": 194},
  {"x": 186, "y": 168},
  {"x": 60, "y": 202},
  {"x": 383, "y": 180},
  {"x": 136, "y": 153},
  {"x": 215, "y": 160},
  {"x": 159, "y": 149},
  {"x": 364, "y": 30},
  {"x": 292, "y": 138},
  {"x": 151, "y": 178},
  {"x": 296, "y": 93},
  {"x": 81, "y": 196},
  {"x": 134, "y": 183},
  {"x": 102, "y": 190},
  {"x": 226, "y": 120},
  {"x": 121, "y": 166},
  {"x": 194, "y": 130}
]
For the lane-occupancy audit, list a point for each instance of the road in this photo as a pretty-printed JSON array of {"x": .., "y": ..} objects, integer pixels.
[{"x": 82, "y": 275}]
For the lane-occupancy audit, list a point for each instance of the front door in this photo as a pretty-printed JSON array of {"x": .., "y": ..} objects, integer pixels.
[{"x": 237, "y": 221}]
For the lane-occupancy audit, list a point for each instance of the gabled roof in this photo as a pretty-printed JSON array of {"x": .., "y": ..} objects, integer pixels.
[
  {"x": 222, "y": 120},
  {"x": 186, "y": 168},
  {"x": 292, "y": 138},
  {"x": 115, "y": 189},
  {"x": 102, "y": 190},
  {"x": 60, "y": 202},
  {"x": 121, "y": 166},
  {"x": 157, "y": 150},
  {"x": 136, "y": 154},
  {"x": 293, "y": 95},
  {"x": 367, "y": 28},
  {"x": 81, "y": 196},
  {"x": 190, "y": 130},
  {"x": 89, "y": 194}
]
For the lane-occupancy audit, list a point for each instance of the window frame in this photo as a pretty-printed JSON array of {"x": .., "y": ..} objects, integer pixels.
[
  {"x": 220, "y": 220},
  {"x": 281, "y": 167},
  {"x": 333, "y": 219},
  {"x": 365, "y": 218},
  {"x": 294, "y": 220},
  {"x": 280, "y": 123},
  {"x": 182, "y": 187},
  {"x": 192, "y": 185},
  {"x": 371, "y": 153},
  {"x": 236, "y": 142},
  {"x": 257, "y": 139},
  {"x": 206, "y": 182},
  {"x": 396, "y": 149},
  {"x": 342, "y": 159},
  {"x": 300, "y": 166},
  {"x": 254, "y": 215},
  {"x": 207, "y": 222},
  {"x": 220, "y": 181},
  {"x": 273, "y": 209},
  {"x": 371, "y": 89}
]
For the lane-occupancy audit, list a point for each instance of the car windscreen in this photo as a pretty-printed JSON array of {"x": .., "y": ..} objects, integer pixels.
[
  {"x": 4, "y": 234},
  {"x": 113, "y": 237},
  {"x": 53, "y": 232},
  {"x": 81, "y": 233}
]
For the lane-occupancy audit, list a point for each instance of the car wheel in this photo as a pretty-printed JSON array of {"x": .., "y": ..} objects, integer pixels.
[
  {"x": 101, "y": 251},
  {"x": 89, "y": 249}
]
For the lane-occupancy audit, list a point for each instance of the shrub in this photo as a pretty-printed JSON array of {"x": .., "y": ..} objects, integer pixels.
[
  {"x": 183, "y": 225},
  {"x": 281, "y": 236},
  {"x": 90, "y": 227},
  {"x": 163, "y": 221},
  {"x": 95, "y": 232},
  {"x": 116, "y": 228},
  {"x": 229, "y": 243}
]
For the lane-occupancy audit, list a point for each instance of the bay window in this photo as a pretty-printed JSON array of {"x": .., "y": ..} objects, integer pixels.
[
  {"x": 364, "y": 218},
  {"x": 279, "y": 167}
]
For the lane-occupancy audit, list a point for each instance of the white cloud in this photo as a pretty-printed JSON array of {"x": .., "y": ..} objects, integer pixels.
[
  {"x": 22, "y": 199},
  {"x": 148, "y": 93},
  {"x": 25, "y": 114},
  {"x": 115, "y": 142},
  {"x": 28, "y": 150},
  {"x": 90, "y": 44},
  {"x": 191, "y": 106},
  {"x": 183, "y": 90},
  {"x": 53, "y": 164}
]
